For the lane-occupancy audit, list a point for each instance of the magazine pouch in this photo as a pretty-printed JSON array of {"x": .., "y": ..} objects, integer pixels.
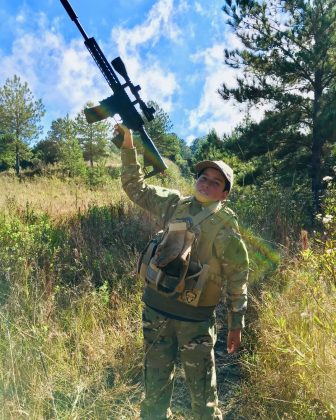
[{"x": 165, "y": 262}]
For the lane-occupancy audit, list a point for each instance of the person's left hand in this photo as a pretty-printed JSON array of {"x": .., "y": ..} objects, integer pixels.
[
  {"x": 127, "y": 135},
  {"x": 233, "y": 340}
]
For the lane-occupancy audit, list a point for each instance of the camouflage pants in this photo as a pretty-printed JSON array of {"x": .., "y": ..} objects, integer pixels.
[{"x": 163, "y": 338}]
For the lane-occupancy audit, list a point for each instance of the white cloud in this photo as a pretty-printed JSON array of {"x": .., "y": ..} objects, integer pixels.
[
  {"x": 199, "y": 8},
  {"x": 77, "y": 78},
  {"x": 212, "y": 111},
  {"x": 158, "y": 23},
  {"x": 63, "y": 76},
  {"x": 157, "y": 83},
  {"x": 20, "y": 18}
]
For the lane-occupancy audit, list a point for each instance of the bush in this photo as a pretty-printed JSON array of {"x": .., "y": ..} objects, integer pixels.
[{"x": 273, "y": 212}]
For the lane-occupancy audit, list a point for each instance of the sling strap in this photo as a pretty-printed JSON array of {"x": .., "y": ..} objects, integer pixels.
[{"x": 206, "y": 212}]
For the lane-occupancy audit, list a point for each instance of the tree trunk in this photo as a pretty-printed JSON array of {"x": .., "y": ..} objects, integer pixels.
[
  {"x": 17, "y": 159},
  {"x": 317, "y": 143}
]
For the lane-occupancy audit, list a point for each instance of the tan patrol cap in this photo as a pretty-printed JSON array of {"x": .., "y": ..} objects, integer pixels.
[{"x": 222, "y": 167}]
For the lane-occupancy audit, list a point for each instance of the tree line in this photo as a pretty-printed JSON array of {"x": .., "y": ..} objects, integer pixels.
[
  {"x": 286, "y": 59},
  {"x": 71, "y": 143}
]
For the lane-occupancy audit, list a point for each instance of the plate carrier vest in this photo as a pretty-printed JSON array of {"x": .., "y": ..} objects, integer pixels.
[{"x": 179, "y": 262}]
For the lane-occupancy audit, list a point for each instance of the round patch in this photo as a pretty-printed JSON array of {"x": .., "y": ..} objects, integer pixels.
[{"x": 190, "y": 296}]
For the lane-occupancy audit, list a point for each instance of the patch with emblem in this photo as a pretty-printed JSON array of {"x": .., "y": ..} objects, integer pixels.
[{"x": 189, "y": 296}]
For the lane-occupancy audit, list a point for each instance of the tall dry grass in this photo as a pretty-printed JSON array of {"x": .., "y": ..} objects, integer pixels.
[
  {"x": 55, "y": 196},
  {"x": 70, "y": 340},
  {"x": 292, "y": 368},
  {"x": 70, "y": 302},
  {"x": 70, "y": 308}
]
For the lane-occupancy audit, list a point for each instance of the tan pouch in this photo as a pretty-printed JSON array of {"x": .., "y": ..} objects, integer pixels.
[
  {"x": 169, "y": 266},
  {"x": 172, "y": 244},
  {"x": 147, "y": 254}
]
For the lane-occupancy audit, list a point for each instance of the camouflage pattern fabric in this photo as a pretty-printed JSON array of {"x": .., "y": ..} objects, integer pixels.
[
  {"x": 229, "y": 247},
  {"x": 164, "y": 338}
]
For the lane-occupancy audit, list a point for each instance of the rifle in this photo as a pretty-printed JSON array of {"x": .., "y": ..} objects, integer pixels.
[{"x": 119, "y": 102}]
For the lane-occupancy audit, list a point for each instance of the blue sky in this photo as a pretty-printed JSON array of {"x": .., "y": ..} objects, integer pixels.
[{"x": 172, "y": 48}]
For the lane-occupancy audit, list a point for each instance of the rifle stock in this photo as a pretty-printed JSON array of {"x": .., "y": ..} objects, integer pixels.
[{"x": 119, "y": 102}]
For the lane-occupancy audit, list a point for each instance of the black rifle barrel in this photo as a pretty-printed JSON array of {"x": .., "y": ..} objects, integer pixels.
[{"x": 73, "y": 16}]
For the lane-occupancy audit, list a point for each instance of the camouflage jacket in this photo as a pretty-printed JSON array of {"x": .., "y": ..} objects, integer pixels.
[{"x": 228, "y": 246}]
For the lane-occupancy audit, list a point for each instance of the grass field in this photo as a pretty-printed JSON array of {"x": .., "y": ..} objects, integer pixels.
[{"x": 70, "y": 318}]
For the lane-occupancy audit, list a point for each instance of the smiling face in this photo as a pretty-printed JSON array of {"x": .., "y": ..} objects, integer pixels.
[{"x": 211, "y": 184}]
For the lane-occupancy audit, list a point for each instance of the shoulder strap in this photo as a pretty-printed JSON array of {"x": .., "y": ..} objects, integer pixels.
[
  {"x": 203, "y": 214},
  {"x": 206, "y": 212}
]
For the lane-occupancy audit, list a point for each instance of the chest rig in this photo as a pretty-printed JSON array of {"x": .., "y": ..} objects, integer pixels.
[{"x": 177, "y": 262}]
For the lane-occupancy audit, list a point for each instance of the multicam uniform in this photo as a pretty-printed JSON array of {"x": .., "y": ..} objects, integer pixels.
[{"x": 170, "y": 324}]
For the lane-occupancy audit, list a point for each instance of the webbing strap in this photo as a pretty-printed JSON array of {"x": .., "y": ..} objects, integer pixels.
[{"x": 206, "y": 212}]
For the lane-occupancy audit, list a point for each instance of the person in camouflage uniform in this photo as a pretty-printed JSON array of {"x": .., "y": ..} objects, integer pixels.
[{"x": 171, "y": 325}]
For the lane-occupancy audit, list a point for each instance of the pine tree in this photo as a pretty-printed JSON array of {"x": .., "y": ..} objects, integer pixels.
[
  {"x": 159, "y": 131},
  {"x": 63, "y": 134},
  {"x": 93, "y": 138},
  {"x": 212, "y": 148},
  {"x": 20, "y": 115},
  {"x": 288, "y": 61},
  {"x": 8, "y": 147},
  {"x": 49, "y": 149}
]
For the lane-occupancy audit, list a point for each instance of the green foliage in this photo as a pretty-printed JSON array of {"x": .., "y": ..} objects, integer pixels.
[
  {"x": 9, "y": 147},
  {"x": 174, "y": 177},
  {"x": 197, "y": 144},
  {"x": 71, "y": 158},
  {"x": 159, "y": 126},
  {"x": 20, "y": 114},
  {"x": 98, "y": 175},
  {"x": 159, "y": 131},
  {"x": 48, "y": 151},
  {"x": 329, "y": 206},
  {"x": 267, "y": 148},
  {"x": 211, "y": 148},
  {"x": 288, "y": 62},
  {"x": 273, "y": 212},
  {"x": 62, "y": 137},
  {"x": 93, "y": 138}
]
